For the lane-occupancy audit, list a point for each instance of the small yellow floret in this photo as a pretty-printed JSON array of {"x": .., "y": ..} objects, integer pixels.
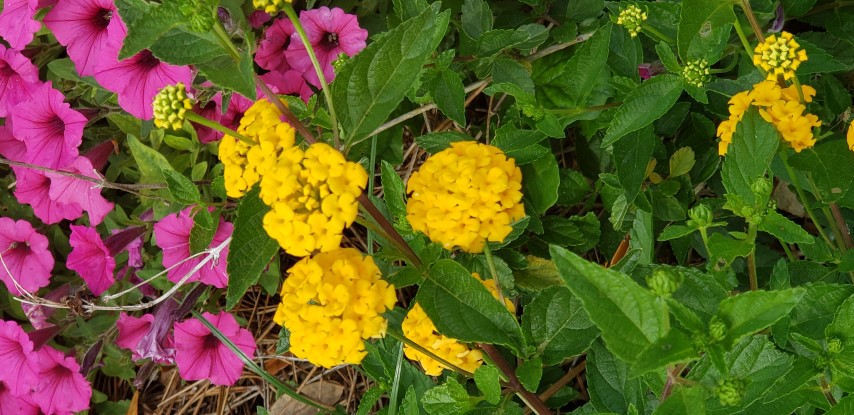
[
  {"x": 271, "y": 6},
  {"x": 170, "y": 106},
  {"x": 632, "y": 17},
  {"x": 779, "y": 56}
]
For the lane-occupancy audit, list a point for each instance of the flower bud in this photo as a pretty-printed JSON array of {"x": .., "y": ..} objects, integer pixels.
[
  {"x": 701, "y": 215},
  {"x": 696, "y": 72},
  {"x": 834, "y": 345},
  {"x": 730, "y": 391},
  {"x": 199, "y": 13},
  {"x": 631, "y": 18},
  {"x": 535, "y": 112},
  {"x": 717, "y": 330},
  {"x": 762, "y": 188},
  {"x": 664, "y": 281},
  {"x": 170, "y": 106}
]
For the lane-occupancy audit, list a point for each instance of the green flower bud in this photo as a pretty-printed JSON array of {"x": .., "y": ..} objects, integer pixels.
[
  {"x": 834, "y": 345},
  {"x": 170, "y": 106},
  {"x": 730, "y": 391},
  {"x": 696, "y": 72},
  {"x": 701, "y": 215},
  {"x": 271, "y": 6},
  {"x": 762, "y": 188},
  {"x": 664, "y": 281},
  {"x": 632, "y": 17},
  {"x": 717, "y": 330},
  {"x": 533, "y": 111},
  {"x": 200, "y": 15},
  {"x": 821, "y": 362}
]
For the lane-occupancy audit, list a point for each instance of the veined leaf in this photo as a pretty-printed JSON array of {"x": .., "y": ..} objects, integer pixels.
[
  {"x": 749, "y": 312},
  {"x": 557, "y": 325},
  {"x": 754, "y": 144},
  {"x": 647, "y": 103},
  {"x": 704, "y": 28}
]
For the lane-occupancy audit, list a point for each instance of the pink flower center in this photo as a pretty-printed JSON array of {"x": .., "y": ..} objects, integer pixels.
[
  {"x": 6, "y": 71},
  {"x": 55, "y": 126},
  {"x": 211, "y": 342},
  {"x": 101, "y": 18},
  {"x": 147, "y": 61},
  {"x": 329, "y": 41}
]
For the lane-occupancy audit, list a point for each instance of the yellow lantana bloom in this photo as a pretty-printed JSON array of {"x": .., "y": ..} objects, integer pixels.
[{"x": 779, "y": 56}]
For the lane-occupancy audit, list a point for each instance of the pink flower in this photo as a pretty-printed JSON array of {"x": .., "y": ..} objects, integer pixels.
[
  {"x": 16, "y": 405},
  {"x": 84, "y": 27},
  {"x": 288, "y": 83},
  {"x": 25, "y": 256},
  {"x": 200, "y": 355},
  {"x": 84, "y": 194},
  {"x": 18, "y": 79},
  {"x": 271, "y": 51},
  {"x": 49, "y": 128},
  {"x": 331, "y": 32},
  {"x": 173, "y": 237},
  {"x": 17, "y": 24},
  {"x": 11, "y": 147},
  {"x": 15, "y": 358},
  {"x": 60, "y": 389},
  {"x": 33, "y": 187},
  {"x": 91, "y": 259},
  {"x": 149, "y": 336},
  {"x": 258, "y": 18}
]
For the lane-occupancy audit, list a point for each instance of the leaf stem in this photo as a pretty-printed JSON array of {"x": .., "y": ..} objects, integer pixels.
[
  {"x": 533, "y": 401},
  {"x": 490, "y": 262},
  {"x": 225, "y": 41},
  {"x": 795, "y": 182},
  {"x": 661, "y": 36},
  {"x": 751, "y": 257},
  {"x": 740, "y": 31},
  {"x": 198, "y": 119}
]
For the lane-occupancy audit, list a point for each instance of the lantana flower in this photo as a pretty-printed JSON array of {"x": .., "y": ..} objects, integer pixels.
[
  {"x": 49, "y": 128},
  {"x": 200, "y": 355},
  {"x": 849, "y": 136},
  {"x": 466, "y": 195},
  {"x": 84, "y": 27},
  {"x": 19, "y": 78},
  {"x": 16, "y": 359},
  {"x": 330, "y": 32},
  {"x": 779, "y": 55},
  {"x": 18, "y": 23},
  {"x": 26, "y": 257},
  {"x": 60, "y": 388},
  {"x": 173, "y": 237}
]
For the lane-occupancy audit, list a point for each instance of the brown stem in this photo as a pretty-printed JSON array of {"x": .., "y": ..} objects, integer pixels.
[
  {"x": 289, "y": 115},
  {"x": 532, "y": 400},
  {"x": 101, "y": 182},
  {"x": 843, "y": 227},
  {"x": 748, "y": 11},
  {"x": 389, "y": 229},
  {"x": 555, "y": 387}
]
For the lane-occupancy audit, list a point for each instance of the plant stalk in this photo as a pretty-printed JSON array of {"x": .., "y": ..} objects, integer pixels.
[
  {"x": 532, "y": 400},
  {"x": 198, "y": 119},
  {"x": 490, "y": 262}
]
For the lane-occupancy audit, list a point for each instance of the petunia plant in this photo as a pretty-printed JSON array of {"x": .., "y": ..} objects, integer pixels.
[{"x": 419, "y": 207}]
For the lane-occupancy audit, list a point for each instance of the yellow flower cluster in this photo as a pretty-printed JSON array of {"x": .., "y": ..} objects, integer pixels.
[
  {"x": 331, "y": 303},
  {"x": 271, "y": 6},
  {"x": 632, "y": 17},
  {"x": 421, "y": 330},
  {"x": 245, "y": 163},
  {"x": 779, "y": 56},
  {"x": 466, "y": 195},
  {"x": 779, "y": 106},
  {"x": 170, "y": 106},
  {"x": 313, "y": 195}
]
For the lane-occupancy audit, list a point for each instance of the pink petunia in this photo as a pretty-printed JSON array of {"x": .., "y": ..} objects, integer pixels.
[
  {"x": 288, "y": 83},
  {"x": 11, "y": 147},
  {"x": 331, "y": 32},
  {"x": 173, "y": 237},
  {"x": 271, "y": 51},
  {"x": 19, "y": 78},
  {"x": 200, "y": 355},
  {"x": 91, "y": 259},
  {"x": 16, "y": 359},
  {"x": 258, "y": 18},
  {"x": 131, "y": 329},
  {"x": 16, "y": 405},
  {"x": 84, "y": 27},
  {"x": 26, "y": 257},
  {"x": 33, "y": 187},
  {"x": 74, "y": 191},
  {"x": 17, "y": 23},
  {"x": 61, "y": 388},
  {"x": 49, "y": 128},
  {"x": 149, "y": 336}
]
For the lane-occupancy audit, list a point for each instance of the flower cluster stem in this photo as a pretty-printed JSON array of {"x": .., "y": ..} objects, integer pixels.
[
  {"x": 532, "y": 400},
  {"x": 490, "y": 262},
  {"x": 740, "y": 31},
  {"x": 748, "y": 11},
  {"x": 655, "y": 32},
  {"x": 751, "y": 258},
  {"x": 198, "y": 119}
]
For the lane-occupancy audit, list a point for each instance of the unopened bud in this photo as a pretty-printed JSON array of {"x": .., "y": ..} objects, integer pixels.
[
  {"x": 696, "y": 72},
  {"x": 632, "y": 17},
  {"x": 664, "y": 281},
  {"x": 730, "y": 391},
  {"x": 170, "y": 106},
  {"x": 701, "y": 215}
]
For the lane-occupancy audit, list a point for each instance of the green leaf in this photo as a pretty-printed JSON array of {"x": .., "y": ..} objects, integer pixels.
[
  {"x": 573, "y": 187},
  {"x": 675, "y": 347},
  {"x": 540, "y": 181},
  {"x": 683, "y": 400},
  {"x": 816, "y": 310},
  {"x": 665, "y": 53},
  {"x": 155, "y": 20},
  {"x": 845, "y": 406},
  {"x": 529, "y": 373},
  {"x": 557, "y": 325},
  {"x": 180, "y": 47},
  {"x": 462, "y": 308},
  {"x": 372, "y": 84},
  {"x": 369, "y": 399},
  {"x": 675, "y": 232},
  {"x": 237, "y": 76},
  {"x": 393, "y": 191},
  {"x": 749, "y": 312},
  {"x": 682, "y": 161},
  {"x": 251, "y": 249},
  {"x": 540, "y": 274},
  {"x": 633, "y": 154},
  {"x": 727, "y": 248},
  {"x": 151, "y": 163},
  {"x": 203, "y": 231},
  {"x": 608, "y": 382},
  {"x": 585, "y": 66},
  {"x": 524, "y": 37},
  {"x": 704, "y": 28},
  {"x": 476, "y": 18},
  {"x": 830, "y": 164},
  {"x": 436, "y": 142},
  {"x": 754, "y": 144},
  {"x": 645, "y": 104},
  {"x": 510, "y": 71},
  {"x": 182, "y": 189},
  {"x": 843, "y": 323},
  {"x": 520, "y": 145},
  {"x": 449, "y": 95},
  {"x": 628, "y": 315},
  {"x": 783, "y": 228},
  {"x": 487, "y": 380},
  {"x": 449, "y": 398}
]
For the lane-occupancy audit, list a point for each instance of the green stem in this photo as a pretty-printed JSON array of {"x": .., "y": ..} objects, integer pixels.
[
  {"x": 281, "y": 386},
  {"x": 836, "y": 231},
  {"x": 292, "y": 15},
  {"x": 751, "y": 258},
  {"x": 225, "y": 41},
  {"x": 661, "y": 36},
  {"x": 748, "y": 11},
  {"x": 786, "y": 249},
  {"x": 705, "y": 235},
  {"x": 373, "y": 164},
  {"x": 795, "y": 182},
  {"x": 405, "y": 340},
  {"x": 740, "y": 31},
  {"x": 198, "y": 119},
  {"x": 491, "y": 264},
  {"x": 800, "y": 90}
]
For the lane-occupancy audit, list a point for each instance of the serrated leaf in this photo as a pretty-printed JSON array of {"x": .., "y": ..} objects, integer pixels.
[
  {"x": 529, "y": 373},
  {"x": 754, "y": 144},
  {"x": 447, "y": 399},
  {"x": 728, "y": 248},
  {"x": 684, "y": 400},
  {"x": 151, "y": 163},
  {"x": 557, "y": 325},
  {"x": 462, "y": 308},
  {"x": 540, "y": 181},
  {"x": 585, "y": 65},
  {"x": 155, "y": 20},
  {"x": 628, "y": 315},
  {"x": 667, "y": 57},
  {"x": 675, "y": 347},
  {"x": 645, "y": 104},
  {"x": 675, "y": 231},
  {"x": 749, "y": 312},
  {"x": 704, "y": 28},
  {"x": 237, "y": 76},
  {"x": 476, "y": 18},
  {"x": 250, "y": 249},
  {"x": 203, "y": 231},
  {"x": 682, "y": 161},
  {"x": 608, "y": 382},
  {"x": 540, "y": 274},
  {"x": 573, "y": 187},
  {"x": 449, "y": 95},
  {"x": 488, "y": 382},
  {"x": 369, "y": 399},
  {"x": 829, "y": 164},
  {"x": 393, "y": 191},
  {"x": 182, "y": 189},
  {"x": 180, "y": 47},
  {"x": 436, "y": 142},
  {"x": 633, "y": 154},
  {"x": 783, "y": 228},
  {"x": 520, "y": 145},
  {"x": 372, "y": 84}
]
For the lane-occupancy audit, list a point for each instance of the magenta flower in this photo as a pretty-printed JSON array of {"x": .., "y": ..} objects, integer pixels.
[
  {"x": 200, "y": 355},
  {"x": 16, "y": 358},
  {"x": 49, "y": 128},
  {"x": 288, "y": 83},
  {"x": 173, "y": 237},
  {"x": 91, "y": 259},
  {"x": 331, "y": 32},
  {"x": 149, "y": 336},
  {"x": 60, "y": 389},
  {"x": 271, "y": 51},
  {"x": 84, "y": 194},
  {"x": 11, "y": 147},
  {"x": 258, "y": 18},
  {"x": 25, "y": 256},
  {"x": 84, "y": 27},
  {"x": 16, "y": 405},
  {"x": 18, "y": 79},
  {"x": 33, "y": 187},
  {"x": 130, "y": 240},
  {"x": 17, "y": 24},
  {"x": 131, "y": 330}
]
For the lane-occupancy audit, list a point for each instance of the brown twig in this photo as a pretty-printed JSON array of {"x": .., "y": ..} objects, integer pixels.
[
  {"x": 843, "y": 227},
  {"x": 532, "y": 400}
]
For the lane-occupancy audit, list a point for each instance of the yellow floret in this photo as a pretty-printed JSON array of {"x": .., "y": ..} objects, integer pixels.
[
  {"x": 849, "y": 136},
  {"x": 271, "y": 6},
  {"x": 779, "y": 56},
  {"x": 632, "y": 18},
  {"x": 170, "y": 106}
]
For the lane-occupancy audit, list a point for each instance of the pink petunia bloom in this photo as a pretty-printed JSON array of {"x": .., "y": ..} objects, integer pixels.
[
  {"x": 16, "y": 358},
  {"x": 17, "y": 23},
  {"x": 84, "y": 27},
  {"x": 19, "y": 78},
  {"x": 288, "y": 83},
  {"x": 11, "y": 147},
  {"x": 61, "y": 388},
  {"x": 271, "y": 51},
  {"x": 258, "y": 18},
  {"x": 173, "y": 237},
  {"x": 200, "y": 355},
  {"x": 91, "y": 259},
  {"x": 25, "y": 255},
  {"x": 137, "y": 79},
  {"x": 131, "y": 329},
  {"x": 49, "y": 128},
  {"x": 16, "y": 405},
  {"x": 33, "y": 187},
  {"x": 85, "y": 194},
  {"x": 149, "y": 336},
  {"x": 331, "y": 32}
]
